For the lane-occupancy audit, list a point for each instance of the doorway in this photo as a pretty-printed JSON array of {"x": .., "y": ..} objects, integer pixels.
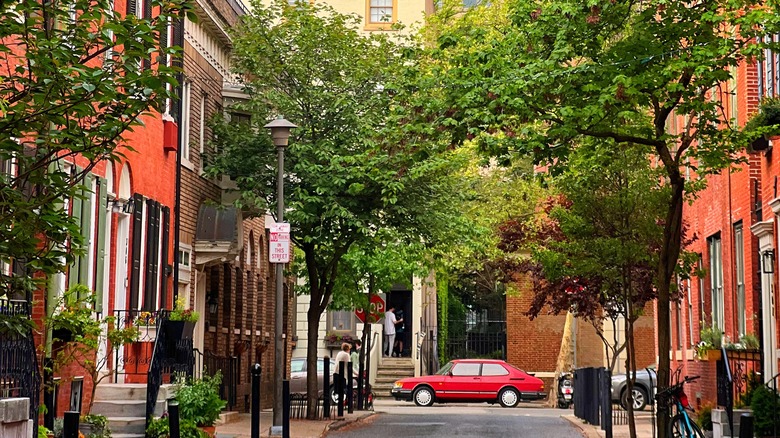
[{"x": 401, "y": 300}]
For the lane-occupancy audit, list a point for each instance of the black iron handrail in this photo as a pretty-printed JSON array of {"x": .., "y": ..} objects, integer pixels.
[
  {"x": 170, "y": 358},
  {"x": 148, "y": 324},
  {"x": 19, "y": 372}
]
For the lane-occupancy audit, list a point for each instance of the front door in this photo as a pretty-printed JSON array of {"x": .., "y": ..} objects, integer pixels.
[
  {"x": 120, "y": 288},
  {"x": 770, "y": 325}
]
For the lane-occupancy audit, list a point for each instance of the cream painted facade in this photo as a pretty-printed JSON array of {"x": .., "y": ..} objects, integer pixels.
[{"x": 423, "y": 311}]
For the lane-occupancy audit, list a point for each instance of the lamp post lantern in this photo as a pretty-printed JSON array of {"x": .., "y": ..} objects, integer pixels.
[{"x": 280, "y": 133}]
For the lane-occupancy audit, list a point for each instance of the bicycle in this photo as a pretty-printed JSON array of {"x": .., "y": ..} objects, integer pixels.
[{"x": 681, "y": 425}]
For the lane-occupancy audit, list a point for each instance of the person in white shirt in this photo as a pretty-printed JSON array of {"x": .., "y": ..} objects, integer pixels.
[
  {"x": 390, "y": 323},
  {"x": 342, "y": 356}
]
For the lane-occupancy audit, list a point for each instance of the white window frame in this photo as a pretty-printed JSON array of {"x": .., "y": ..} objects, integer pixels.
[
  {"x": 339, "y": 316},
  {"x": 715, "y": 246},
  {"x": 739, "y": 270},
  {"x": 186, "y": 90}
]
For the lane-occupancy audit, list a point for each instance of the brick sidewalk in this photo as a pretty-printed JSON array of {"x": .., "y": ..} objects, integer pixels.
[{"x": 242, "y": 427}]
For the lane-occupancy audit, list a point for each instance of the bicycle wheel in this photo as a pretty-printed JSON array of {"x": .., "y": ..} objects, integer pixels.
[{"x": 678, "y": 428}]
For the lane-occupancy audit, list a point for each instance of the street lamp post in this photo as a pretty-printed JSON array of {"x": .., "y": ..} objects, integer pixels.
[{"x": 280, "y": 133}]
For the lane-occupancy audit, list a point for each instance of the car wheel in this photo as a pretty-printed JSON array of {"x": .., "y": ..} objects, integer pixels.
[
  {"x": 508, "y": 397},
  {"x": 423, "y": 396},
  {"x": 334, "y": 396},
  {"x": 639, "y": 399}
]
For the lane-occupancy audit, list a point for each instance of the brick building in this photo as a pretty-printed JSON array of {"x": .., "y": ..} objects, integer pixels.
[
  {"x": 223, "y": 270},
  {"x": 735, "y": 222},
  {"x": 534, "y": 345}
]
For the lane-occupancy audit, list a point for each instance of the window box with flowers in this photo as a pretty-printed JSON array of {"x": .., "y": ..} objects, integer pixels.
[
  {"x": 708, "y": 348},
  {"x": 334, "y": 340},
  {"x": 180, "y": 324},
  {"x": 147, "y": 326}
]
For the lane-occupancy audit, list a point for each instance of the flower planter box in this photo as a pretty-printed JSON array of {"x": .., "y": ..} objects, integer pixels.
[
  {"x": 178, "y": 330},
  {"x": 709, "y": 355}
]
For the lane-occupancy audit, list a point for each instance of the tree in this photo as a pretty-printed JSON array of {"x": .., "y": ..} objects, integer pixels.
[
  {"x": 347, "y": 177},
  {"x": 595, "y": 252},
  {"x": 76, "y": 76},
  {"x": 560, "y": 72}
]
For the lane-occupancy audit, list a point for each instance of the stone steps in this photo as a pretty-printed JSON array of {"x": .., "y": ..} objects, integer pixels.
[
  {"x": 390, "y": 370},
  {"x": 124, "y": 405}
]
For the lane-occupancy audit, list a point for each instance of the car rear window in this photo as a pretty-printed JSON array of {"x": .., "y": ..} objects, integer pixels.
[{"x": 494, "y": 369}]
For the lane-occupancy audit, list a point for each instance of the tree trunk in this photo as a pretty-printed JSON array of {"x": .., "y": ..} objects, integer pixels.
[
  {"x": 670, "y": 252},
  {"x": 630, "y": 365},
  {"x": 313, "y": 320}
]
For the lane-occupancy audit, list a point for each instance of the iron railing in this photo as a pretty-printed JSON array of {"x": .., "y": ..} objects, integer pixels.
[
  {"x": 170, "y": 360},
  {"x": 298, "y": 407},
  {"x": 485, "y": 339},
  {"x": 19, "y": 372},
  {"x": 229, "y": 367},
  {"x": 148, "y": 324}
]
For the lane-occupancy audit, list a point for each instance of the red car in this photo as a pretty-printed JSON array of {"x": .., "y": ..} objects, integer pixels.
[{"x": 471, "y": 380}]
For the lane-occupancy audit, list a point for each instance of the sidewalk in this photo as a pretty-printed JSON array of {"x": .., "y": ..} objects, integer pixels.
[
  {"x": 242, "y": 426},
  {"x": 644, "y": 427}
]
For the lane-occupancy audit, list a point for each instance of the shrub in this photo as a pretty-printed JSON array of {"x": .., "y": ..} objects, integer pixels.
[
  {"x": 199, "y": 400},
  {"x": 160, "y": 428},
  {"x": 765, "y": 405},
  {"x": 704, "y": 416}
]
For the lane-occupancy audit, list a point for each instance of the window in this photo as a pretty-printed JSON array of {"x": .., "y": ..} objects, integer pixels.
[
  {"x": 236, "y": 118},
  {"x": 716, "y": 280},
  {"x": 739, "y": 269},
  {"x": 678, "y": 324},
  {"x": 297, "y": 366},
  {"x": 466, "y": 369},
  {"x": 76, "y": 387},
  {"x": 202, "y": 131},
  {"x": 494, "y": 369},
  {"x": 185, "y": 119},
  {"x": 185, "y": 257},
  {"x": 701, "y": 288},
  {"x": 341, "y": 320},
  {"x": 768, "y": 71},
  {"x": 381, "y": 12},
  {"x": 690, "y": 314}
]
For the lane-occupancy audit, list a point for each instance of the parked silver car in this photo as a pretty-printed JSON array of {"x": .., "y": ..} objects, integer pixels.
[
  {"x": 298, "y": 374},
  {"x": 643, "y": 390}
]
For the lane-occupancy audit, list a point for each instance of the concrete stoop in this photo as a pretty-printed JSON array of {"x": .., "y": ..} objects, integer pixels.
[
  {"x": 124, "y": 405},
  {"x": 390, "y": 370}
]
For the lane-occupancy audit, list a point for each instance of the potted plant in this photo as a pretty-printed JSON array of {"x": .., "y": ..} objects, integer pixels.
[
  {"x": 181, "y": 322},
  {"x": 708, "y": 348},
  {"x": 160, "y": 428},
  {"x": 199, "y": 401},
  {"x": 764, "y": 123},
  {"x": 94, "y": 426},
  {"x": 704, "y": 418},
  {"x": 765, "y": 404}
]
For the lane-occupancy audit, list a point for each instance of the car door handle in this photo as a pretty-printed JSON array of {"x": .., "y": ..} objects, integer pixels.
[{"x": 517, "y": 378}]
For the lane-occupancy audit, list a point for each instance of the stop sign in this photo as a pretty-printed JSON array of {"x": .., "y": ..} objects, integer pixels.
[{"x": 377, "y": 310}]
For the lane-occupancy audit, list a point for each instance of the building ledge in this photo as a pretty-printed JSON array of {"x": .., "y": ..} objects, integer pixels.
[
  {"x": 775, "y": 205},
  {"x": 763, "y": 229}
]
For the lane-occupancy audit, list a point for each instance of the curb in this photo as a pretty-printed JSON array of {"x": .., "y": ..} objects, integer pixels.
[
  {"x": 338, "y": 424},
  {"x": 585, "y": 428}
]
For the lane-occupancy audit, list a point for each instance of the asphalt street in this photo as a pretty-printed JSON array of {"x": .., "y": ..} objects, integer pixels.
[{"x": 399, "y": 419}]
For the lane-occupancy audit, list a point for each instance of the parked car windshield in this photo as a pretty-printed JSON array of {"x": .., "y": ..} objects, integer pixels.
[{"x": 445, "y": 369}]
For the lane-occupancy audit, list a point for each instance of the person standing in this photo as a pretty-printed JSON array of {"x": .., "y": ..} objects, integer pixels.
[
  {"x": 355, "y": 358},
  {"x": 342, "y": 357},
  {"x": 390, "y": 323}
]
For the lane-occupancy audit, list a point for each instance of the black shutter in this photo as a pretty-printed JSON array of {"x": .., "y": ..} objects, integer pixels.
[
  {"x": 166, "y": 227},
  {"x": 178, "y": 39},
  {"x": 135, "y": 271},
  {"x": 132, "y": 7},
  {"x": 152, "y": 239}
]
